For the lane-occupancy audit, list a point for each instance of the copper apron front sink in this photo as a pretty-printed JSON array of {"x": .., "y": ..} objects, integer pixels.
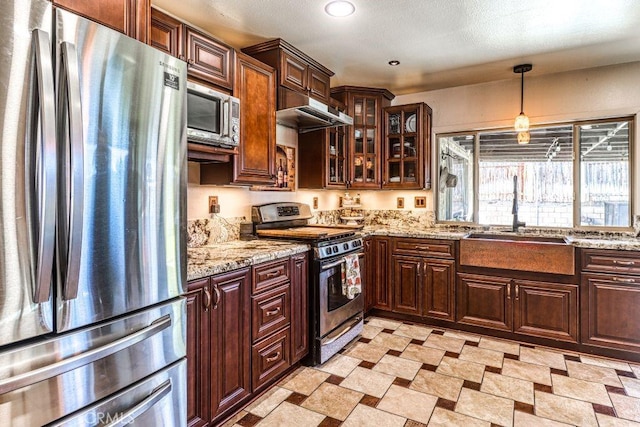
[{"x": 538, "y": 254}]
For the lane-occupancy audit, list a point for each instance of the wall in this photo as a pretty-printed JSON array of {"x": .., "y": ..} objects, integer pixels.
[{"x": 584, "y": 94}]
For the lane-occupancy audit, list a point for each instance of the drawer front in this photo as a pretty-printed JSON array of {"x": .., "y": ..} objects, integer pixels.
[
  {"x": 424, "y": 247},
  {"x": 270, "y": 311},
  {"x": 270, "y": 275},
  {"x": 605, "y": 261},
  {"x": 270, "y": 358}
]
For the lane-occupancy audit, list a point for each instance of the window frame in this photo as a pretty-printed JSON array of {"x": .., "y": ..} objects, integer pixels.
[{"x": 576, "y": 206}]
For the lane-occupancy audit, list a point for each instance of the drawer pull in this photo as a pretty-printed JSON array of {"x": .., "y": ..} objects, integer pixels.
[
  {"x": 623, "y": 280},
  {"x": 423, "y": 248},
  {"x": 272, "y": 274},
  {"x": 273, "y": 358},
  {"x": 217, "y": 291},
  {"x": 619, "y": 262},
  {"x": 517, "y": 291},
  {"x": 273, "y": 312}
]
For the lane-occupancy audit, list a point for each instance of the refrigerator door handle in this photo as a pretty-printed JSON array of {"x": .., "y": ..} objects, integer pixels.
[
  {"x": 130, "y": 415},
  {"x": 46, "y": 372},
  {"x": 41, "y": 172},
  {"x": 72, "y": 194}
]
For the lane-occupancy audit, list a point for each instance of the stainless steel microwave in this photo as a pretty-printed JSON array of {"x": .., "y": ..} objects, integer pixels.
[{"x": 213, "y": 117}]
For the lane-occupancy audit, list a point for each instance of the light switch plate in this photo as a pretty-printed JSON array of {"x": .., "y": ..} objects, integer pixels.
[
  {"x": 315, "y": 203},
  {"x": 214, "y": 207},
  {"x": 400, "y": 202}
]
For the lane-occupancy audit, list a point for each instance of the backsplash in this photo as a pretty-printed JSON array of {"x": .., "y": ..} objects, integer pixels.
[{"x": 209, "y": 231}]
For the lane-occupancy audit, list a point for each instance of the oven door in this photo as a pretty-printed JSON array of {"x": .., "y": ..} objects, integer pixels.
[{"x": 334, "y": 307}]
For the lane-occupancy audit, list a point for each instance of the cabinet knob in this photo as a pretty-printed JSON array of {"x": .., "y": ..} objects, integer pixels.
[{"x": 509, "y": 291}]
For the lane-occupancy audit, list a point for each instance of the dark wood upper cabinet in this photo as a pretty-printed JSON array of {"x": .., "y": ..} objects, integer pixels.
[
  {"x": 208, "y": 59},
  {"x": 295, "y": 69},
  {"x": 364, "y": 138},
  {"x": 130, "y": 17},
  {"x": 167, "y": 34},
  {"x": 256, "y": 88},
  {"x": 406, "y": 147}
]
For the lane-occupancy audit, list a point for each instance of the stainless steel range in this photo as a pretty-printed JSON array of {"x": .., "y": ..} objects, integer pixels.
[{"x": 335, "y": 319}]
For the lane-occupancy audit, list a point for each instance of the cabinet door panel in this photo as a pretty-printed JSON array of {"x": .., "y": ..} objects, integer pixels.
[
  {"x": 610, "y": 311},
  {"x": 439, "y": 301},
  {"x": 209, "y": 60},
  {"x": 382, "y": 256},
  {"x": 166, "y": 34},
  {"x": 293, "y": 73},
  {"x": 255, "y": 86},
  {"x": 407, "y": 285},
  {"x": 230, "y": 332},
  {"x": 300, "y": 306},
  {"x": 547, "y": 310},
  {"x": 271, "y": 311},
  {"x": 130, "y": 17},
  {"x": 484, "y": 301},
  {"x": 319, "y": 86},
  {"x": 198, "y": 399}
]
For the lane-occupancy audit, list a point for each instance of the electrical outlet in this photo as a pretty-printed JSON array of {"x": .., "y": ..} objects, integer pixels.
[
  {"x": 420, "y": 202},
  {"x": 214, "y": 207},
  {"x": 315, "y": 203},
  {"x": 400, "y": 202}
]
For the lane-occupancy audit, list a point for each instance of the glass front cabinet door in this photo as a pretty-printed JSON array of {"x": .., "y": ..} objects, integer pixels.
[{"x": 406, "y": 146}]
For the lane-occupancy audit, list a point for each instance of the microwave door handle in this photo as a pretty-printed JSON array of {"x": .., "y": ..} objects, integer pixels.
[
  {"x": 225, "y": 117},
  {"x": 72, "y": 194},
  {"x": 41, "y": 174}
]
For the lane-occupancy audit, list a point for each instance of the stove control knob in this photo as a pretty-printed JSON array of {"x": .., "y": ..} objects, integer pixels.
[
  {"x": 336, "y": 249},
  {"x": 346, "y": 246}
]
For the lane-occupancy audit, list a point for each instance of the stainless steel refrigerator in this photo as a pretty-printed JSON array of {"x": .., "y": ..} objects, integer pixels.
[{"x": 92, "y": 224}]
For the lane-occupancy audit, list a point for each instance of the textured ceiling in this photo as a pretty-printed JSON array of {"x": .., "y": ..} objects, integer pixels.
[{"x": 440, "y": 43}]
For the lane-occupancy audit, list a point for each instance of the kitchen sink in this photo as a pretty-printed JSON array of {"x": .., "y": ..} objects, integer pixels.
[
  {"x": 518, "y": 237},
  {"x": 540, "y": 254}
]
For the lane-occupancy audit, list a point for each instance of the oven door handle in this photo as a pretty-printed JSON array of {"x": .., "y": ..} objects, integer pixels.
[{"x": 333, "y": 264}]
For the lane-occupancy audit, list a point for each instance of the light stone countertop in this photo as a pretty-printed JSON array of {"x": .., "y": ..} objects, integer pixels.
[{"x": 223, "y": 257}]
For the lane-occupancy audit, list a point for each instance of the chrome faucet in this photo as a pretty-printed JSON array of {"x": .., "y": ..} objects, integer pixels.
[{"x": 514, "y": 210}]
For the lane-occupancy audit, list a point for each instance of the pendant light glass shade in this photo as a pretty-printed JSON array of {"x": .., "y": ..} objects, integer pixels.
[
  {"x": 522, "y": 121},
  {"x": 524, "y": 137}
]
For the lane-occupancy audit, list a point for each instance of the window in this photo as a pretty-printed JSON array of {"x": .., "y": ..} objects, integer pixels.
[{"x": 541, "y": 173}]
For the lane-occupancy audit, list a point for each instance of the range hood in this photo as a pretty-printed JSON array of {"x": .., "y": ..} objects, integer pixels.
[{"x": 301, "y": 112}]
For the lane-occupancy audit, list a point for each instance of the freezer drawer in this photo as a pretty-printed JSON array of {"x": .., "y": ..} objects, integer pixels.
[
  {"x": 47, "y": 380},
  {"x": 157, "y": 401}
]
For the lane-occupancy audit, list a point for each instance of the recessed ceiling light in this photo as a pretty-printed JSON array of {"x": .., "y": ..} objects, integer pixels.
[
  {"x": 394, "y": 62},
  {"x": 339, "y": 8}
]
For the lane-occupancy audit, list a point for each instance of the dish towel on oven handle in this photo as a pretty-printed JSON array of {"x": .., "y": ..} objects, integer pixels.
[{"x": 351, "y": 282}]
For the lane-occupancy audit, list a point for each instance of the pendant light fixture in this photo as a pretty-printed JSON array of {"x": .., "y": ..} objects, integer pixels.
[{"x": 522, "y": 121}]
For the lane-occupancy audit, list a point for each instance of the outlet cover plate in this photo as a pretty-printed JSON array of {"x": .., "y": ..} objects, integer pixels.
[
  {"x": 420, "y": 202},
  {"x": 400, "y": 203}
]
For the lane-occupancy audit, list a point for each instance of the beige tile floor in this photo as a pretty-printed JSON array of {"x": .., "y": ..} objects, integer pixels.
[{"x": 401, "y": 374}]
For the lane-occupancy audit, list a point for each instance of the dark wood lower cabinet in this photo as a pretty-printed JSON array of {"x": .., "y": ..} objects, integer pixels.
[
  {"x": 381, "y": 280},
  {"x": 484, "y": 301},
  {"x": 299, "y": 307},
  {"x": 407, "y": 285},
  {"x": 198, "y": 400},
  {"x": 548, "y": 310},
  {"x": 439, "y": 293},
  {"x": 610, "y": 306},
  {"x": 539, "y": 309},
  {"x": 367, "y": 265},
  {"x": 230, "y": 340}
]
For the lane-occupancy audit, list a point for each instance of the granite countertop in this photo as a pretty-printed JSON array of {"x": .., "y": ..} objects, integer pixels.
[
  {"x": 222, "y": 257},
  {"x": 593, "y": 240}
]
